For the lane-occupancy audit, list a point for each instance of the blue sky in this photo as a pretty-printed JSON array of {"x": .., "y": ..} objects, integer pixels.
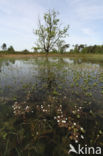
[{"x": 18, "y": 18}]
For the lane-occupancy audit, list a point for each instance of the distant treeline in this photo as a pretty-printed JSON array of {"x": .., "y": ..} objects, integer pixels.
[
  {"x": 87, "y": 49},
  {"x": 77, "y": 49},
  {"x": 11, "y": 50}
]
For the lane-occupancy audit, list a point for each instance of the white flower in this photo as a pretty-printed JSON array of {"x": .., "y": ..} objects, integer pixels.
[
  {"x": 74, "y": 124},
  {"x": 27, "y": 107},
  {"x": 58, "y": 117},
  {"x": 14, "y": 112},
  {"x": 76, "y": 141},
  {"x": 59, "y": 110},
  {"x": 73, "y": 112},
  {"x": 82, "y": 129},
  {"x": 63, "y": 121}
]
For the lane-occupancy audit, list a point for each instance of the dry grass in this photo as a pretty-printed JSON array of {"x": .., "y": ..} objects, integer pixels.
[{"x": 83, "y": 56}]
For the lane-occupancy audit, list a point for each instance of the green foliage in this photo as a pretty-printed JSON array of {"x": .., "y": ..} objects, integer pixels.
[
  {"x": 62, "y": 46},
  {"x": 25, "y": 51},
  {"x": 11, "y": 49},
  {"x": 87, "y": 49},
  {"x": 50, "y": 32},
  {"x": 54, "y": 111},
  {"x": 4, "y": 46}
]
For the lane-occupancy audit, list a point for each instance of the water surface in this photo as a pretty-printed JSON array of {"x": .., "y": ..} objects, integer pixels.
[{"x": 55, "y": 94}]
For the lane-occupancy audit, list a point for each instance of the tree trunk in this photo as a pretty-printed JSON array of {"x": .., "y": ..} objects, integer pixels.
[{"x": 47, "y": 51}]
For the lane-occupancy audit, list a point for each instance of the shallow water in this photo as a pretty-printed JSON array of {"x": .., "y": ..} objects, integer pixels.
[{"x": 43, "y": 85}]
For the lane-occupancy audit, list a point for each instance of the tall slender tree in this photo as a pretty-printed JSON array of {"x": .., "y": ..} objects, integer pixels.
[{"x": 50, "y": 32}]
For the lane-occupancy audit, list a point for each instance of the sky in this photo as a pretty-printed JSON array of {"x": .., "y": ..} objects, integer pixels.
[{"x": 18, "y": 19}]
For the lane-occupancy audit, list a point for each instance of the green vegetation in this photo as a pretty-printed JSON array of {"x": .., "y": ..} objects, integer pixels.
[
  {"x": 61, "y": 49},
  {"x": 4, "y": 46},
  {"x": 6, "y": 50},
  {"x": 11, "y": 49},
  {"x": 50, "y": 35},
  {"x": 95, "y": 49},
  {"x": 51, "y": 39},
  {"x": 47, "y": 103}
]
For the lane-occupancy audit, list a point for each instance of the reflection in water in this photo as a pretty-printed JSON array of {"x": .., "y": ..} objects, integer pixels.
[
  {"x": 68, "y": 60},
  {"x": 48, "y": 103},
  {"x": 17, "y": 76}
]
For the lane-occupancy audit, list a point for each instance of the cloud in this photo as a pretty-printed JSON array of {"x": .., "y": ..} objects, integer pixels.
[
  {"x": 17, "y": 21},
  {"x": 90, "y": 12},
  {"x": 86, "y": 9},
  {"x": 87, "y": 31},
  {"x": 18, "y": 18}
]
